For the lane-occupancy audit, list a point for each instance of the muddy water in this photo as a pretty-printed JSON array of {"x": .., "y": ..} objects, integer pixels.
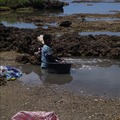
[{"x": 91, "y": 76}]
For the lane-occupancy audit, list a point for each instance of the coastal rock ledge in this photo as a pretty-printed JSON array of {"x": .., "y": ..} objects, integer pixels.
[{"x": 66, "y": 45}]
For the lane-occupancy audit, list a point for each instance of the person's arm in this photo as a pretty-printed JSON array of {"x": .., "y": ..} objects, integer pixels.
[
  {"x": 38, "y": 52},
  {"x": 51, "y": 58}
]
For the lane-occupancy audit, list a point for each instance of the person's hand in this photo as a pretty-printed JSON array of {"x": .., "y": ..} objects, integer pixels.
[
  {"x": 36, "y": 53},
  {"x": 62, "y": 61}
]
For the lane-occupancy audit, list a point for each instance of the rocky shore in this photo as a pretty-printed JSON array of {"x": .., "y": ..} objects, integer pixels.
[{"x": 65, "y": 44}]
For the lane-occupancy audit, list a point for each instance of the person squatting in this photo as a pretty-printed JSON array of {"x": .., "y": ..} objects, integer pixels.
[{"x": 46, "y": 51}]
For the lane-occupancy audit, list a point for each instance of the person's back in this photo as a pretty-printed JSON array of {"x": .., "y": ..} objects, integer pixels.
[{"x": 46, "y": 51}]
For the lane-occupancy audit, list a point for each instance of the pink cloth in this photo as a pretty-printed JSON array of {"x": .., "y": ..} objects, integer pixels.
[{"x": 38, "y": 115}]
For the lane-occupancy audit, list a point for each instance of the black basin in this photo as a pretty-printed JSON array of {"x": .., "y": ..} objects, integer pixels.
[{"x": 59, "y": 68}]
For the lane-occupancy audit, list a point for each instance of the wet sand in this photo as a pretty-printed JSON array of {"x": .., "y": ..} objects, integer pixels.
[
  {"x": 16, "y": 97},
  {"x": 79, "y": 23}
]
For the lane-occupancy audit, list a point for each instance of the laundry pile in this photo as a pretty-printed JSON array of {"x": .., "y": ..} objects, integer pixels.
[{"x": 10, "y": 73}]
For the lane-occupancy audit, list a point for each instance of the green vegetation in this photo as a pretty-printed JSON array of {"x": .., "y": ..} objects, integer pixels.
[
  {"x": 20, "y": 3},
  {"x": 10, "y": 18},
  {"x": 29, "y": 9},
  {"x": 5, "y": 8},
  {"x": 35, "y": 4}
]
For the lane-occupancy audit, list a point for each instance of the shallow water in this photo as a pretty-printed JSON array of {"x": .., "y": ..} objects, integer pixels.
[
  {"x": 91, "y": 76},
  {"x": 99, "y": 8},
  {"x": 49, "y": 25},
  {"x": 100, "y": 19},
  {"x": 100, "y": 33},
  {"x": 11, "y": 19},
  {"x": 19, "y": 25},
  {"x": 97, "y": 77},
  {"x": 109, "y": 1}
]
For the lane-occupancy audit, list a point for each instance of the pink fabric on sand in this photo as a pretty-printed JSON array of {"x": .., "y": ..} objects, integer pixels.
[{"x": 31, "y": 115}]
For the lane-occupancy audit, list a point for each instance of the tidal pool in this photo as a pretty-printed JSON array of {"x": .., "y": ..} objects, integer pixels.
[
  {"x": 94, "y": 8},
  {"x": 100, "y": 33},
  {"x": 19, "y": 25},
  {"x": 109, "y": 1},
  {"x": 91, "y": 76},
  {"x": 49, "y": 25},
  {"x": 100, "y": 19},
  {"x": 12, "y": 19}
]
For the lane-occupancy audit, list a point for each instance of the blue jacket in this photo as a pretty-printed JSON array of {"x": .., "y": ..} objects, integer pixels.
[{"x": 45, "y": 52}]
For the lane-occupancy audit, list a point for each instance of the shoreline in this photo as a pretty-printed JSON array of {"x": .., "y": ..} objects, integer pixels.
[{"x": 9, "y": 59}]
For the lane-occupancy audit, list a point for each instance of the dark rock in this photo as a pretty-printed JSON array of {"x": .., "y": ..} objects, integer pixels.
[
  {"x": 53, "y": 4},
  {"x": 67, "y": 45},
  {"x": 65, "y": 23}
]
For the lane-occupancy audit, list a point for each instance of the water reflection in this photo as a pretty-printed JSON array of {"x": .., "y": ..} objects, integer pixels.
[
  {"x": 91, "y": 75},
  {"x": 52, "y": 12},
  {"x": 47, "y": 25},
  {"x": 31, "y": 79},
  {"x": 100, "y": 19},
  {"x": 96, "y": 80},
  {"x": 92, "y": 62},
  {"x": 100, "y": 33},
  {"x": 58, "y": 79},
  {"x": 15, "y": 17},
  {"x": 95, "y": 76},
  {"x": 99, "y": 8},
  {"x": 94, "y": 1},
  {"x": 33, "y": 75},
  {"x": 72, "y": 8},
  {"x": 19, "y": 25},
  {"x": 54, "y": 24}
]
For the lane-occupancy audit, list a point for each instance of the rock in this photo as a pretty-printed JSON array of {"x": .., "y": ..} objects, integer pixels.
[
  {"x": 65, "y": 23},
  {"x": 24, "y": 41}
]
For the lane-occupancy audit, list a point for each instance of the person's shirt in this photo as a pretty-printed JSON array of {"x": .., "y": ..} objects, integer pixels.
[{"x": 45, "y": 55}]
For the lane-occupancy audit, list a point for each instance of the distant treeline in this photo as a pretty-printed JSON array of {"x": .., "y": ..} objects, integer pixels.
[{"x": 14, "y": 4}]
